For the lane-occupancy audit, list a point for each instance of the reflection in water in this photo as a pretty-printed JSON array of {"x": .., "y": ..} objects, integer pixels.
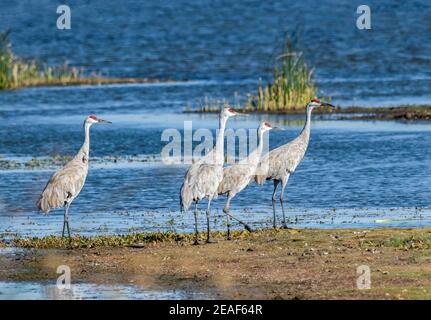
[{"x": 86, "y": 291}]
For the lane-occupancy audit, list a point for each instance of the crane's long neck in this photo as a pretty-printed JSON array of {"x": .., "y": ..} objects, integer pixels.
[
  {"x": 85, "y": 149},
  {"x": 260, "y": 143},
  {"x": 254, "y": 157},
  {"x": 219, "y": 147},
  {"x": 305, "y": 133}
]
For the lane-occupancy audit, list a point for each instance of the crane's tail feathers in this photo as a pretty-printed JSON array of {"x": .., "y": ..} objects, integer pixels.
[
  {"x": 43, "y": 206},
  {"x": 186, "y": 198},
  {"x": 260, "y": 179}
]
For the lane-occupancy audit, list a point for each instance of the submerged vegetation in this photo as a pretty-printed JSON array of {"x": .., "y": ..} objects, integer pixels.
[
  {"x": 292, "y": 86},
  {"x": 59, "y": 161},
  {"x": 16, "y": 72}
]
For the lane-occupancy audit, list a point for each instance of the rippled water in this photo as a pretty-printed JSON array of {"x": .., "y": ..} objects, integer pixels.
[
  {"x": 223, "y": 41},
  {"x": 354, "y": 174}
]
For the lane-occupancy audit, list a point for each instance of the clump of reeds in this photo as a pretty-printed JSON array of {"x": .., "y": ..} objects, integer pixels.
[{"x": 292, "y": 86}]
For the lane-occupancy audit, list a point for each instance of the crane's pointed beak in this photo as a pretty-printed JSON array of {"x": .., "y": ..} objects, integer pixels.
[
  {"x": 101, "y": 121},
  {"x": 277, "y": 129},
  {"x": 325, "y": 104}
]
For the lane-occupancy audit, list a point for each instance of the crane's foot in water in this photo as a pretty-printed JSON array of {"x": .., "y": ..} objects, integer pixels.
[{"x": 248, "y": 228}]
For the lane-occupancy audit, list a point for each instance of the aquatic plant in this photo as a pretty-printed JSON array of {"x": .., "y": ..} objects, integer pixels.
[{"x": 292, "y": 86}]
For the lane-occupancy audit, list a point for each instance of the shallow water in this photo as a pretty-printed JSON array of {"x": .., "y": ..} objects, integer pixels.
[
  {"x": 88, "y": 291},
  {"x": 354, "y": 173}
]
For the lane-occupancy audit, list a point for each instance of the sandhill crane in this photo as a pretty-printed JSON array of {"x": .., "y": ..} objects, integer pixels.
[
  {"x": 281, "y": 162},
  {"x": 66, "y": 184},
  {"x": 204, "y": 176},
  {"x": 237, "y": 177}
]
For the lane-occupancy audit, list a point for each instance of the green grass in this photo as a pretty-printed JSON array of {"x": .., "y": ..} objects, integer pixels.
[
  {"x": 292, "y": 86},
  {"x": 417, "y": 241}
]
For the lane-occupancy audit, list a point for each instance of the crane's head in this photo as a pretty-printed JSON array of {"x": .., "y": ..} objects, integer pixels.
[
  {"x": 228, "y": 112},
  {"x": 95, "y": 120},
  {"x": 265, "y": 126},
  {"x": 317, "y": 103}
]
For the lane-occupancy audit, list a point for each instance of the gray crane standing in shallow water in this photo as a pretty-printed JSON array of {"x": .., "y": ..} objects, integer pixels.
[
  {"x": 281, "y": 162},
  {"x": 204, "y": 176},
  {"x": 237, "y": 177},
  {"x": 66, "y": 184}
]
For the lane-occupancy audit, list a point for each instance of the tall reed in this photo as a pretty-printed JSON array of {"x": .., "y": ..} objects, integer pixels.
[{"x": 292, "y": 85}]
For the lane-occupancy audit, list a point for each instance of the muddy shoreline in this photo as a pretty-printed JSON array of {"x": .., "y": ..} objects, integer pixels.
[
  {"x": 90, "y": 81},
  {"x": 268, "y": 264},
  {"x": 407, "y": 113}
]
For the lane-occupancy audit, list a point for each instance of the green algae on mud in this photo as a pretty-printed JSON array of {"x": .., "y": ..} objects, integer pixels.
[
  {"x": 114, "y": 241},
  {"x": 418, "y": 240}
]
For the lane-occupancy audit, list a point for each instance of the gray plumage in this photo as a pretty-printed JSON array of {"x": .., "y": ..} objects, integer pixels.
[
  {"x": 66, "y": 184},
  {"x": 237, "y": 177},
  {"x": 204, "y": 176},
  {"x": 281, "y": 162}
]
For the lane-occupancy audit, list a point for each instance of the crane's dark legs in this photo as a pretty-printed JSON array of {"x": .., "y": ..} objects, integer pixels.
[
  {"x": 284, "y": 183},
  {"x": 66, "y": 220},
  {"x": 228, "y": 227},
  {"x": 226, "y": 210},
  {"x": 208, "y": 220},
  {"x": 276, "y": 182},
  {"x": 196, "y": 242}
]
